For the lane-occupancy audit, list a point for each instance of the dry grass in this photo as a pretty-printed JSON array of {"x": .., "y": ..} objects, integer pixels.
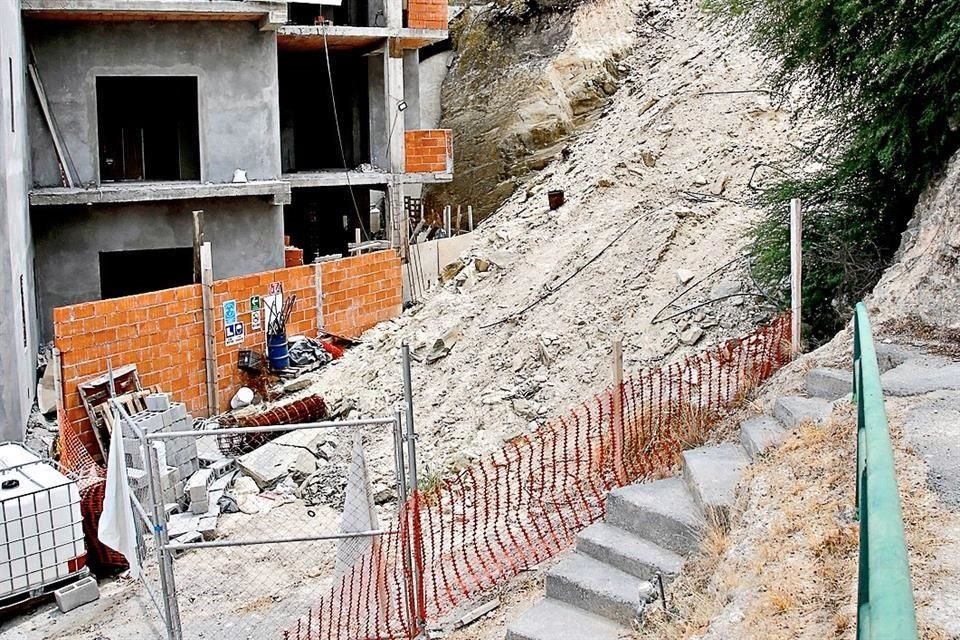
[{"x": 788, "y": 569}]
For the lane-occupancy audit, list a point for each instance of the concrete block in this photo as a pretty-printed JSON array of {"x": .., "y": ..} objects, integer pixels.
[
  {"x": 77, "y": 594},
  {"x": 712, "y": 474},
  {"x": 595, "y": 587},
  {"x": 894, "y": 355},
  {"x": 224, "y": 481},
  {"x": 178, "y": 411},
  {"x": 170, "y": 484},
  {"x": 198, "y": 485},
  {"x": 920, "y": 376},
  {"x": 553, "y": 620},
  {"x": 662, "y": 512},
  {"x": 133, "y": 453},
  {"x": 185, "y": 538},
  {"x": 223, "y": 466},
  {"x": 183, "y": 424},
  {"x": 157, "y": 402},
  {"x": 758, "y": 435},
  {"x": 200, "y": 507},
  {"x": 792, "y": 411},
  {"x": 137, "y": 479},
  {"x": 182, "y": 523},
  {"x": 151, "y": 423},
  {"x": 829, "y": 384},
  {"x": 291, "y": 452},
  {"x": 208, "y": 526},
  {"x": 618, "y": 548}
]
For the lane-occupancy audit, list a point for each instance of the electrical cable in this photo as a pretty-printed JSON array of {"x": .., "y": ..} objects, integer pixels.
[{"x": 336, "y": 121}]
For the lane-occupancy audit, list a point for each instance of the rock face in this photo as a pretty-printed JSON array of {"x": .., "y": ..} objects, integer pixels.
[
  {"x": 525, "y": 79},
  {"x": 925, "y": 279}
]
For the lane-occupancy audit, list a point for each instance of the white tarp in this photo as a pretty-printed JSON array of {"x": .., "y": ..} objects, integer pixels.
[
  {"x": 359, "y": 512},
  {"x": 117, "y": 526}
]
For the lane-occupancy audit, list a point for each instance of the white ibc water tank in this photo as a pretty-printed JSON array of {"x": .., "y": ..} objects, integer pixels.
[{"x": 41, "y": 528}]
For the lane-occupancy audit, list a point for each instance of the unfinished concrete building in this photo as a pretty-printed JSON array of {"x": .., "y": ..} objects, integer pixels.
[{"x": 273, "y": 119}]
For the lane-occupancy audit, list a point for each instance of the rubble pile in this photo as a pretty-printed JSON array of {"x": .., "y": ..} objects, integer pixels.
[{"x": 656, "y": 201}]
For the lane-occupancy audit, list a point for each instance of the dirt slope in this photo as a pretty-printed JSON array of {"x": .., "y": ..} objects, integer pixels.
[{"x": 641, "y": 183}]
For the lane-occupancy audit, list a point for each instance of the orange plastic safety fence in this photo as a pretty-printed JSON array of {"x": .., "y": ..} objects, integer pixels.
[
  {"x": 526, "y": 502},
  {"x": 91, "y": 480}
]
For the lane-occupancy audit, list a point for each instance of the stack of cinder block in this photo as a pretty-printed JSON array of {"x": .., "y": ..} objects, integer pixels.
[{"x": 177, "y": 456}]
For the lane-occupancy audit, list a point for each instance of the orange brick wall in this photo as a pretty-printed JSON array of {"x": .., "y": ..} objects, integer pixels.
[
  {"x": 429, "y": 151},
  {"x": 427, "y": 14},
  {"x": 296, "y": 280},
  {"x": 162, "y": 332},
  {"x": 359, "y": 292}
]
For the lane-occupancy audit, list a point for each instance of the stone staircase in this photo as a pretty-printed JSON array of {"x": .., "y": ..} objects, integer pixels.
[{"x": 600, "y": 589}]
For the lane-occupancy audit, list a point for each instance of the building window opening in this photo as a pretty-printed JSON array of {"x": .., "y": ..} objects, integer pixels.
[
  {"x": 148, "y": 128},
  {"x": 127, "y": 273}
]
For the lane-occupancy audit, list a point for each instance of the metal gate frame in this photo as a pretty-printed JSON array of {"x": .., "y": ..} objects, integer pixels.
[{"x": 404, "y": 440}]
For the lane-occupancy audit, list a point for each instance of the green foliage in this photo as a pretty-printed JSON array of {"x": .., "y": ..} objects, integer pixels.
[{"x": 885, "y": 77}]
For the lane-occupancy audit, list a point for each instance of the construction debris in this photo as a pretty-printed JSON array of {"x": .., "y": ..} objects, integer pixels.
[{"x": 296, "y": 452}]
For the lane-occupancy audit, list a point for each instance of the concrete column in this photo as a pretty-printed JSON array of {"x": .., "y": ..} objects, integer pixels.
[
  {"x": 393, "y": 97},
  {"x": 411, "y": 88},
  {"x": 394, "y": 12},
  {"x": 18, "y": 333}
]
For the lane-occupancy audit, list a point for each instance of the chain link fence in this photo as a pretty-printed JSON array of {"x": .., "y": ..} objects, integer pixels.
[{"x": 268, "y": 524}]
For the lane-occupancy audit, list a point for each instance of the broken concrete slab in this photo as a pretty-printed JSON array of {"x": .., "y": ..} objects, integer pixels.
[
  {"x": 829, "y": 384},
  {"x": 922, "y": 375},
  {"x": 294, "y": 452}
]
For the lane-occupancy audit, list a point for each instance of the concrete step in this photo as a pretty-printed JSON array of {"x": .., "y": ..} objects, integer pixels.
[
  {"x": 595, "y": 587},
  {"x": 625, "y": 551},
  {"x": 794, "y": 410},
  {"x": 829, "y": 384},
  {"x": 662, "y": 512},
  {"x": 759, "y": 434},
  {"x": 553, "y": 620},
  {"x": 712, "y": 474}
]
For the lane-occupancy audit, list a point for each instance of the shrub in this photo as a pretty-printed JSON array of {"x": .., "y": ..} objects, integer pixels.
[{"x": 885, "y": 77}]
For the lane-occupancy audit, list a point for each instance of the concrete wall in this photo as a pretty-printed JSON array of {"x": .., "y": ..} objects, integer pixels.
[
  {"x": 378, "y": 124},
  {"x": 236, "y": 67},
  {"x": 433, "y": 71},
  {"x": 246, "y": 234},
  {"x": 18, "y": 341}
]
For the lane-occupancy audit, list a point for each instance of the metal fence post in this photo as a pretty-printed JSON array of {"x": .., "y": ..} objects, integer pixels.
[
  {"x": 161, "y": 539},
  {"x": 416, "y": 532}
]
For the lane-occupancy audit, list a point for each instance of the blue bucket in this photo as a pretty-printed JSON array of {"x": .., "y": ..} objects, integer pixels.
[{"x": 277, "y": 352}]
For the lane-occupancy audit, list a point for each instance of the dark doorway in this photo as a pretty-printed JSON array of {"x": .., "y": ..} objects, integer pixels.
[
  {"x": 148, "y": 128},
  {"x": 308, "y": 122},
  {"x": 127, "y": 273},
  {"x": 322, "y": 221}
]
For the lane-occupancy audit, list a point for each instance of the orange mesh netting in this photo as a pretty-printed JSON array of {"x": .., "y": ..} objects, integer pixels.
[{"x": 526, "y": 502}]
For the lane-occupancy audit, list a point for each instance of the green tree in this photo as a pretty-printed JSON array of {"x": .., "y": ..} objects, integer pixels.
[{"x": 885, "y": 77}]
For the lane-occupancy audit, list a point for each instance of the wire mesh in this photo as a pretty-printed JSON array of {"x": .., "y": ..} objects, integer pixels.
[{"x": 268, "y": 541}]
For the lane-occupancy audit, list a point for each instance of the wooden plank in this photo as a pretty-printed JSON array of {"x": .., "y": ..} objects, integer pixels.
[
  {"x": 197, "y": 243},
  {"x": 58, "y": 145},
  {"x": 210, "y": 347},
  {"x": 796, "y": 274},
  {"x": 617, "y": 427}
]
